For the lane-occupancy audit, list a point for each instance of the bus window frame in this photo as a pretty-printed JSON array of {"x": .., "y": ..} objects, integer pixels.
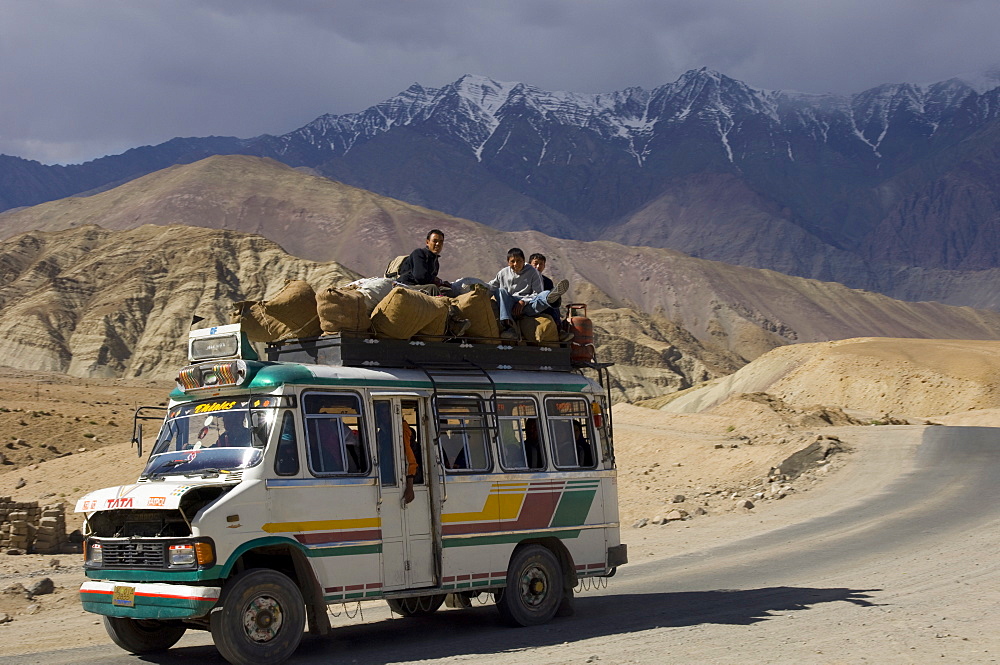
[
  {"x": 280, "y": 427},
  {"x": 362, "y": 433},
  {"x": 539, "y": 416},
  {"x": 489, "y": 435},
  {"x": 588, "y": 424}
]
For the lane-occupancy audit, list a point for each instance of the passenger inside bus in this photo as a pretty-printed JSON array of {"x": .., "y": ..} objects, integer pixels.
[
  {"x": 533, "y": 444},
  {"x": 453, "y": 447},
  {"x": 584, "y": 451},
  {"x": 328, "y": 453},
  {"x": 411, "y": 461},
  {"x": 234, "y": 432},
  {"x": 415, "y": 448}
]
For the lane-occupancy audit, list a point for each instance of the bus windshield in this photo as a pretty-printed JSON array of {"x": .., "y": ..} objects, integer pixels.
[{"x": 210, "y": 437}]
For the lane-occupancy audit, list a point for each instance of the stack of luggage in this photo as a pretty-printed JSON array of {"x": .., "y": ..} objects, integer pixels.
[{"x": 385, "y": 309}]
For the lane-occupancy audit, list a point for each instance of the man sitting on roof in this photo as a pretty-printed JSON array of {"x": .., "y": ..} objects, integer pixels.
[
  {"x": 420, "y": 269},
  {"x": 519, "y": 292}
]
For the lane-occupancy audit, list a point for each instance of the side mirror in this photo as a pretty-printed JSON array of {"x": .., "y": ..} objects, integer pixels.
[{"x": 138, "y": 440}]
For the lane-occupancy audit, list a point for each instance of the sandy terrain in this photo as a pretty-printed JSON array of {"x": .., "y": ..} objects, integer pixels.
[{"x": 708, "y": 464}]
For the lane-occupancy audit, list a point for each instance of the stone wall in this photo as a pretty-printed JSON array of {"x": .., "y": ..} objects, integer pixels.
[{"x": 27, "y": 527}]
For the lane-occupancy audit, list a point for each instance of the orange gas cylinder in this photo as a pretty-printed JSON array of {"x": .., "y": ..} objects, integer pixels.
[{"x": 582, "y": 346}]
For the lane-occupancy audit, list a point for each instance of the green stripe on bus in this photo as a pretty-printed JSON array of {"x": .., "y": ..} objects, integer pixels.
[
  {"x": 573, "y": 508},
  {"x": 500, "y": 539},
  {"x": 345, "y": 550}
]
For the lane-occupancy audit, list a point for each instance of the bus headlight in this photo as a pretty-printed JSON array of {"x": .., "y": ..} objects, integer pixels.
[
  {"x": 182, "y": 555},
  {"x": 94, "y": 554},
  {"x": 189, "y": 555}
]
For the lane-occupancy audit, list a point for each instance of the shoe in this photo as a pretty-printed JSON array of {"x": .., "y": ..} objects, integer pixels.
[
  {"x": 566, "y": 336},
  {"x": 557, "y": 291},
  {"x": 510, "y": 334}
]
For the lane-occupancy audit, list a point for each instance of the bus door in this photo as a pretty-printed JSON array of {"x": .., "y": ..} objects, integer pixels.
[{"x": 407, "y": 531}]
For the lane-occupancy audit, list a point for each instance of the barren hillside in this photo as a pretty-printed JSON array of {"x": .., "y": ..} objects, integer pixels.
[
  {"x": 730, "y": 310},
  {"x": 920, "y": 378}
]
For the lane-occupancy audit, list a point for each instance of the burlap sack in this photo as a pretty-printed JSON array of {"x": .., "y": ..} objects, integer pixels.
[
  {"x": 476, "y": 307},
  {"x": 342, "y": 310},
  {"x": 289, "y": 314},
  {"x": 244, "y": 314},
  {"x": 539, "y": 330},
  {"x": 405, "y": 313}
]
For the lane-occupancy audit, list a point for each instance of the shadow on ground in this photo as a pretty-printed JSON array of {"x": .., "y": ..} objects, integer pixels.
[{"x": 451, "y": 633}]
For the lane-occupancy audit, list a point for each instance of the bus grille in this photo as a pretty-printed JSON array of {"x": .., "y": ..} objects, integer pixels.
[{"x": 134, "y": 554}]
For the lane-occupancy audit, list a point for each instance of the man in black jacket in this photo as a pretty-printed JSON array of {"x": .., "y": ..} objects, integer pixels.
[{"x": 421, "y": 267}]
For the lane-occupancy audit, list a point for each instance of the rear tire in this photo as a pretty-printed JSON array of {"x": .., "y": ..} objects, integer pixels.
[
  {"x": 142, "y": 635},
  {"x": 534, "y": 587},
  {"x": 260, "y": 618},
  {"x": 418, "y": 606}
]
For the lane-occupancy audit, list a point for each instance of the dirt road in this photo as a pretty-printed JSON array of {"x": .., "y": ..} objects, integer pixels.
[{"x": 891, "y": 561}]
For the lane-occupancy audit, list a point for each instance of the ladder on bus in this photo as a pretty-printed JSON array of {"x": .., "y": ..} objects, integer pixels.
[{"x": 440, "y": 373}]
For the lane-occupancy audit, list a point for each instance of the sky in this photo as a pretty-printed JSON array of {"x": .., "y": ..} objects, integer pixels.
[{"x": 80, "y": 79}]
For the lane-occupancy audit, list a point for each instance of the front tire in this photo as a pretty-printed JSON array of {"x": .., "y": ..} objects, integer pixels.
[
  {"x": 260, "y": 619},
  {"x": 419, "y": 606},
  {"x": 142, "y": 635},
  {"x": 534, "y": 587}
]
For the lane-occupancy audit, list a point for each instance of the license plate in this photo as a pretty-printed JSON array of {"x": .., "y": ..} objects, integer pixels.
[{"x": 124, "y": 596}]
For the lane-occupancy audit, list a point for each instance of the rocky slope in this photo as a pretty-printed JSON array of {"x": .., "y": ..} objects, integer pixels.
[
  {"x": 94, "y": 302},
  {"x": 91, "y": 302},
  {"x": 726, "y": 309}
]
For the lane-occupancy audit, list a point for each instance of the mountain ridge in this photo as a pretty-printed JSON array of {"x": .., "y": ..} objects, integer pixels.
[{"x": 863, "y": 184}]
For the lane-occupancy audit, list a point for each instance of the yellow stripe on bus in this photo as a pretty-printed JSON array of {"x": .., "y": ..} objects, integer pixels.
[
  {"x": 322, "y": 525},
  {"x": 497, "y": 507}
]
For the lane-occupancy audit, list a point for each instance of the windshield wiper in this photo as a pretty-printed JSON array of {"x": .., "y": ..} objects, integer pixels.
[{"x": 204, "y": 473}]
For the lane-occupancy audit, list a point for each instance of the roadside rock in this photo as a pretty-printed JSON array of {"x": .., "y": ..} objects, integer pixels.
[{"x": 42, "y": 587}]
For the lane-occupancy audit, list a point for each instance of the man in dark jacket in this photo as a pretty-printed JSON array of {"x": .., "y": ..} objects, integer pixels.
[{"x": 421, "y": 268}]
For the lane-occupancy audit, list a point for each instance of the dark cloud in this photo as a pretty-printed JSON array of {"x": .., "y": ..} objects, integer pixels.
[{"x": 81, "y": 80}]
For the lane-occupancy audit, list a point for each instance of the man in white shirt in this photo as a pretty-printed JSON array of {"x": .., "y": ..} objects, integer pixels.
[{"x": 520, "y": 293}]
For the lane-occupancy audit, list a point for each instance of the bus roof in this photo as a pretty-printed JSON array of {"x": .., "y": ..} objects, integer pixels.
[{"x": 267, "y": 376}]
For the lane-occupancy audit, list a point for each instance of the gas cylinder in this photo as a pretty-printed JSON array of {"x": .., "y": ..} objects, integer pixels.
[{"x": 582, "y": 346}]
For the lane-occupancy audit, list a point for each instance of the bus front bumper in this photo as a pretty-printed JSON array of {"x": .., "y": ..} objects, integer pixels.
[{"x": 148, "y": 600}]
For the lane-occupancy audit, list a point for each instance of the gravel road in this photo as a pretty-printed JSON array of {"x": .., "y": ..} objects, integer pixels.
[{"x": 893, "y": 561}]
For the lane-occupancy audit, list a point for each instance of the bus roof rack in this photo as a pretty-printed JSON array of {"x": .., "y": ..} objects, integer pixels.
[{"x": 365, "y": 350}]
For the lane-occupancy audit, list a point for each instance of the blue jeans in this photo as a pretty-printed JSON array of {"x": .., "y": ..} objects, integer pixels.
[{"x": 535, "y": 305}]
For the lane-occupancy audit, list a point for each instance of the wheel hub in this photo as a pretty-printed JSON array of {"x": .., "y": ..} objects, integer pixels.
[
  {"x": 534, "y": 586},
  {"x": 262, "y": 619}
]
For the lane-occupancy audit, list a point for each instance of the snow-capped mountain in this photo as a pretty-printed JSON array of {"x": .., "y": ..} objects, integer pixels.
[{"x": 851, "y": 188}]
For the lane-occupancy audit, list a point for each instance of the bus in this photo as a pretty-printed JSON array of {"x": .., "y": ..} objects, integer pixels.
[{"x": 348, "y": 468}]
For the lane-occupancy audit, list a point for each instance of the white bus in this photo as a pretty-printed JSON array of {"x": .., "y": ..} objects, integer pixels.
[{"x": 343, "y": 469}]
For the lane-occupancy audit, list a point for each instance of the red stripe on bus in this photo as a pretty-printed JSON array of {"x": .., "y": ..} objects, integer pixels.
[
  {"x": 536, "y": 513},
  {"x": 151, "y": 595},
  {"x": 338, "y": 536}
]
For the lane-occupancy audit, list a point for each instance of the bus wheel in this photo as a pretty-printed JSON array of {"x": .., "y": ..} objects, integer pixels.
[
  {"x": 419, "y": 606},
  {"x": 143, "y": 636},
  {"x": 534, "y": 587},
  {"x": 260, "y": 618}
]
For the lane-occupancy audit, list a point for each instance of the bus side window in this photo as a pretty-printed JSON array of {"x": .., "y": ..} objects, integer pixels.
[
  {"x": 463, "y": 439},
  {"x": 335, "y": 434},
  {"x": 520, "y": 440},
  {"x": 286, "y": 457},
  {"x": 572, "y": 442}
]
